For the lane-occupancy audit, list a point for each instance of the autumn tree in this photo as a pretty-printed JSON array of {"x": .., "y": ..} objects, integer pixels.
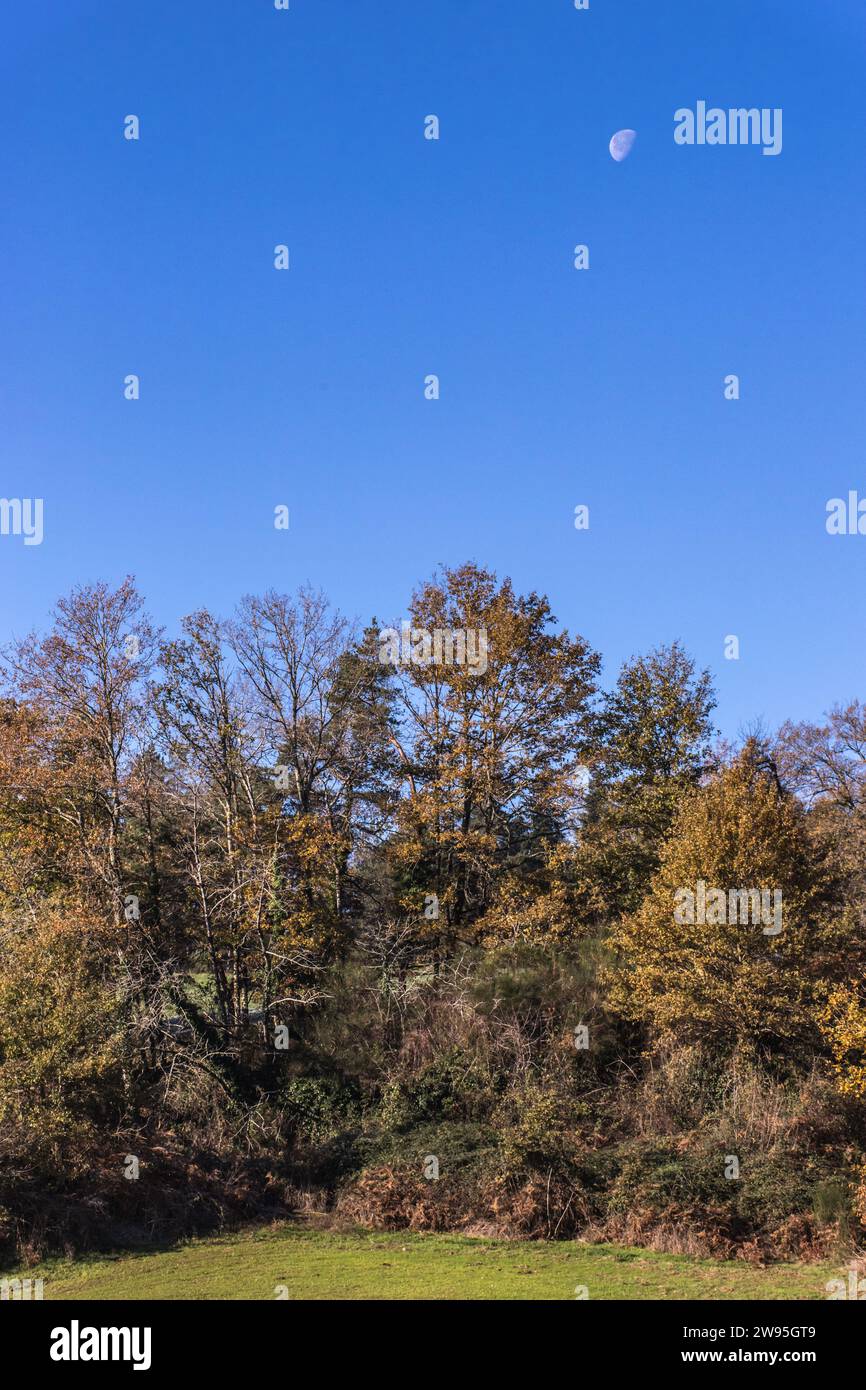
[
  {"x": 826, "y": 764},
  {"x": 207, "y": 739},
  {"x": 84, "y": 680},
  {"x": 61, "y": 1040},
  {"x": 489, "y": 746},
  {"x": 842, "y": 1019},
  {"x": 321, "y": 706},
  {"x": 703, "y": 959}
]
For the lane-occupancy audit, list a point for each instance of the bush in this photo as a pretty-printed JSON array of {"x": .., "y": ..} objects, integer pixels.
[
  {"x": 447, "y": 1088},
  {"x": 320, "y": 1108}
]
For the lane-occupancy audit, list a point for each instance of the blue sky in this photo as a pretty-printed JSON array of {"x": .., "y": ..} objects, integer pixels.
[{"x": 410, "y": 257}]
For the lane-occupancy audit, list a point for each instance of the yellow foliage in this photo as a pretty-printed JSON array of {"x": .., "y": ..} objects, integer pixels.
[
  {"x": 730, "y": 982},
  {"x": 843, "y": 1024}
]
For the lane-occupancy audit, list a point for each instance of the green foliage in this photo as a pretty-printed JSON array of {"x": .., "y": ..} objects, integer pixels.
[
  {"x": 831, "y": 1203},
  {"x": 466, "y": 1149},
  {"x": 535, "y": 1127},
  {"x": 447, "y": 1088},
  {"x": 654, "y": 735},
  {"x": 659, "y": 1176},
  {"x": 321, "y": 1107}
]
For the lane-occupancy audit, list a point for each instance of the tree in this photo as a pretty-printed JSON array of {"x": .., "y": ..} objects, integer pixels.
[
  {"x": 843, "y": 1026},
  {"x": 699, "y": 960},
  {"x": 653, "y": 745},
  {"x": 825, "y": 764},
  {"x": 321, "y": 705},
  {"x": 60, "y": 1038},
  {"x": 206, "y": 732},
  {"x": 489, "y": 748},
  {"x": 85, "y": 681}
]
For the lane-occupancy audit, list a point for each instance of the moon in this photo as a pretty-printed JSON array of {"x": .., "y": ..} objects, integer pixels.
[{"x": 621, "y": 144}]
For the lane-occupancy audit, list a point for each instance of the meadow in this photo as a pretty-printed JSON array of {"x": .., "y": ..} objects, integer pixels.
[{"x": 289, "y": 1262}]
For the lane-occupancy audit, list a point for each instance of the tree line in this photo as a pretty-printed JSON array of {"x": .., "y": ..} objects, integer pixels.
[{"x": 245, "y": 860}]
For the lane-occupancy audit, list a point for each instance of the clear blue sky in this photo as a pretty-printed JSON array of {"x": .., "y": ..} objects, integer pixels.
[{"x": 412, "y": 257}]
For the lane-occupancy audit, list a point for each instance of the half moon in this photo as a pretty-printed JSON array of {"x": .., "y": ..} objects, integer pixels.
[{"x": 621, "y": 144}]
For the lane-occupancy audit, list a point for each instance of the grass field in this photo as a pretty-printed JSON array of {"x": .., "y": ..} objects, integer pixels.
[{"x": 316, "y": 1264}]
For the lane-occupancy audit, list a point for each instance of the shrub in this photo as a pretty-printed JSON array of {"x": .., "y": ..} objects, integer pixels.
[{"x": 321, "y": 1107}]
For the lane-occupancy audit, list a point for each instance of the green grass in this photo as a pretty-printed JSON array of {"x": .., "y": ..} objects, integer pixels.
[{"x": 317, "y": 1264}]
